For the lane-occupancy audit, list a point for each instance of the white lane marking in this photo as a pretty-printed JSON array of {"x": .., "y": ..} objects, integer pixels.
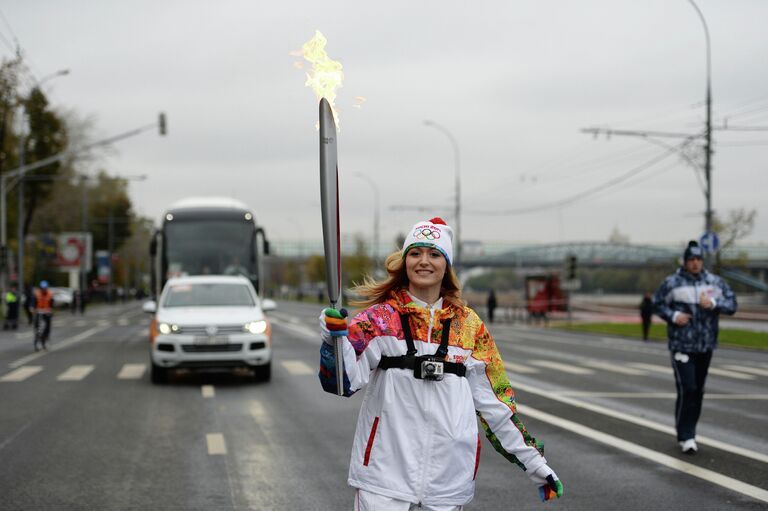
[
  {"x": 259, "y": 414},
  {"x": 81, "y": 322},
  {"x": 216, "y": 443},
  {"x": 132, "y": 371},
  {"x": 104, "y": 322},
  {"x": 123, "y": 322},
  {"x": 519, "y": 368},
  {"x": 75, "y": 373},
  {"x": 25, "y": 335},
  {"x": 612, "y": 367},
  {"x": 747, "y": 453},
  {"x": 748, "y": 369},
  {"x": 658, "y": 395},
  {"x": 58, "y": 346},
  {"x": 649, "y": 454},
  {"x": 730, "y": 374},
  {"x": 299, "y": 329},
  {"x": 207, "y": 391},
  {"x": 22, "y": 373},
  {"x": 297, "y": 367},
  {"x": 557, "y": 366},
  {"x": 652, "y": 367}
]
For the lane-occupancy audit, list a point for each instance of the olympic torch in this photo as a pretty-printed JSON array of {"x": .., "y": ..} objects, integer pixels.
[{"x": 329, "y": 203}]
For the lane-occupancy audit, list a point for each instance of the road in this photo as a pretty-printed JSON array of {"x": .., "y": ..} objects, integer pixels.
[{"x": 81, "y": 426}]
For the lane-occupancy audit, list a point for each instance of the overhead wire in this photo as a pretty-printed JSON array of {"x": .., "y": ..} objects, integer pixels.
[{"x": 581, "y": 195}]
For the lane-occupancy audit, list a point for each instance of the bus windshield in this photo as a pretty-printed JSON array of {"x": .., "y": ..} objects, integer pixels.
[{"x": 209, "y": 247}]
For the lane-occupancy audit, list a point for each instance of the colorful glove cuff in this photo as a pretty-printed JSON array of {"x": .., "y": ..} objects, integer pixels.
[
  {"x": 336, "y": 322},
  {"x": 553, "y": 489}
]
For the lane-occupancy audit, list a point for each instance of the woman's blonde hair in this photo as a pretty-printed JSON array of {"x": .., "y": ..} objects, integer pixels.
[{"x": 372, "y": 291}]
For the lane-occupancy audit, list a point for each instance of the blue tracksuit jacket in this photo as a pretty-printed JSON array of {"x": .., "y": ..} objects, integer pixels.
[{"x": 680, "y": 292}]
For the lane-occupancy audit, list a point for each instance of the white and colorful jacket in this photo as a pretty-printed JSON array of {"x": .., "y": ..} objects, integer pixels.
[{"x": 417, "y": 440}]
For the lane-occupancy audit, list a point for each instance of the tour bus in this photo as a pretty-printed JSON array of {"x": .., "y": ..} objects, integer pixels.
[{"x": 208, "y": 236}]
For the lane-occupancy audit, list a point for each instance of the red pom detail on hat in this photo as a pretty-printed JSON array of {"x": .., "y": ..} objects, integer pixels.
[{"x": 437, "y": 221}]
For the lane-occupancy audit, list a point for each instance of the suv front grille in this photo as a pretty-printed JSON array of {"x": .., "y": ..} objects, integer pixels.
[
  {"x": 211, "y": 348},
  {"x": 220, "y": 329}
]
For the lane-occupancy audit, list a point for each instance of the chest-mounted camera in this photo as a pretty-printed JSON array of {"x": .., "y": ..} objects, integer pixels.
[{"x": 429, "y": 368}]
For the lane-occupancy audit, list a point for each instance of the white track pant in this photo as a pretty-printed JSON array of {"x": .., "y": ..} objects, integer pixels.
[{"x": 367, "y": 501}]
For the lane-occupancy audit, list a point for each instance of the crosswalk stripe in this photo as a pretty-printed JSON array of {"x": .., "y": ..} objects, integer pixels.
[
  {"x": 652, "y": 367},
  {"x": 614, "y": 368},
  {"x": 123, "y": 322},
  {"x": 22, "y": 373},
  {"x": 81, "y": 322},
  {"x": 748, "y": 369},
  {"x": 557, "y": 366},
  {"x": 216, "y": 443},
  {"x": 730, "y": 374},
  {"x": 519, "y": 368},
  {"x": 207, "y": 391},
  {"x": 297, "y": 367},
  {"x": 132, "y": 371},
  {"x": 75, "y": 373}
]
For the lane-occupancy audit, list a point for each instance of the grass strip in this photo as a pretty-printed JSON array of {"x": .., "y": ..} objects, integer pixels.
[{"x": 728, "y": 336}]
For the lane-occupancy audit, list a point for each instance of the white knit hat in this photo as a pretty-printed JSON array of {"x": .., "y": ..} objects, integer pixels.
[{"x": 433, "y": 233}]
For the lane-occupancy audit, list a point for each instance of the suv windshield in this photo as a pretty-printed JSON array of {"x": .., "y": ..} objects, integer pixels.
[{"x": 208, "y": 295}]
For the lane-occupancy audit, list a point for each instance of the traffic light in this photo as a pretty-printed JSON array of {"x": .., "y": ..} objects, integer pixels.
[
  {"x": 570, "y": 267},
  {"x": 161, "y": 123}
]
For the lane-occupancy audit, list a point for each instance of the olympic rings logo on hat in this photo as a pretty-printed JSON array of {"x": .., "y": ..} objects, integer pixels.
[{"x": 426, "y": 233}]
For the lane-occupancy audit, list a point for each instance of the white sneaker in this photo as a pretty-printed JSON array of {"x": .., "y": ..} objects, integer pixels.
[{"x": 689, "y": 446}]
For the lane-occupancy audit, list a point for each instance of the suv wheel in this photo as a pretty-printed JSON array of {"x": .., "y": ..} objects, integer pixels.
[
  {"x": 158, "y": 374},
  {"x": 263, "y": 373}
]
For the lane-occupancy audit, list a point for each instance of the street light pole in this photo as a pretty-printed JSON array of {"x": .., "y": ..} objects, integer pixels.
[
  {"x": 375, "y": 245},
  {"x": 457, "y": 212},
  {"x": 708, "y": 128}
]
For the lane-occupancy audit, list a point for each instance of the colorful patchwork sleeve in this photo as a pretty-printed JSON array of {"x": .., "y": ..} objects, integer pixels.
[{"x": 495, "y": 401}]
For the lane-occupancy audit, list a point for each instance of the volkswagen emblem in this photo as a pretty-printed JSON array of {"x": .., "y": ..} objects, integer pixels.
[{"x": 211, "y": 330}]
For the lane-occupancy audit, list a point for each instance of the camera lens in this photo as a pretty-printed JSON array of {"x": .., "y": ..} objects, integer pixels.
[{"x": 429, "y": 368}]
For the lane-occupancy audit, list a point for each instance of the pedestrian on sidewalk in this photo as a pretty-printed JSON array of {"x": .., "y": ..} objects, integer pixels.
[
  {"x": 646, "y": 314},
  {"x": 691, "y": 301},
  {"x": 11, "y": 308},
  {"x": 43, "y": 314},
  {"x": 491, "y": 304},
  {"x": 29, "y": 304},
  {"x": 429, "y": 364}
]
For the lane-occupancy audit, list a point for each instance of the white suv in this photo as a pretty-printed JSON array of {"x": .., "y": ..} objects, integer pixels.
[{"x": 210, "y": 321}]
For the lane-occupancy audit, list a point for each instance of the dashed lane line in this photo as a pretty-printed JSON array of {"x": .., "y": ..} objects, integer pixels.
[
  {"x": 207, "y": 391},
  {"x": 652, "y": 367},
  {"x": 730, "y": 374},
  {"x": 297, "y": 367},
  {"x": 22, "y": 373},
  {"x": 132, "y": 372},
  {"x": 216, "y": 444},
  {"x": 75, "y": 373},
  {"x": 557, "y": 366},
  {"x": 639, "y": 421},
  {"x": 659, "y": 395},
  {"x": 649, "y": 454}
]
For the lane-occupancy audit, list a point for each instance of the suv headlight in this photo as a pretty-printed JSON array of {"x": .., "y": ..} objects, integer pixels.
[
  {"x": 256, "y": 327},
  {"x": 167, "y": 328}
]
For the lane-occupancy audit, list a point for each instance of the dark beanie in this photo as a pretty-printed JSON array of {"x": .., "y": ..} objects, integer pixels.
[{"x": 693, "y": 250}]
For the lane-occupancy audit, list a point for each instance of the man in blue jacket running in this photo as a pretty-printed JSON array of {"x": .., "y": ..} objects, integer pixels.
[{"x": 691, "y": 301}]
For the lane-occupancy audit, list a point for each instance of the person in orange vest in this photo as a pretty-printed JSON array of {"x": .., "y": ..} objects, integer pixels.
[{"x": 43, "y": 312}]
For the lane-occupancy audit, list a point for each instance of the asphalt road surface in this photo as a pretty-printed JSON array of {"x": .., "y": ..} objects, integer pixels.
[{"x": 81, "y": 426}]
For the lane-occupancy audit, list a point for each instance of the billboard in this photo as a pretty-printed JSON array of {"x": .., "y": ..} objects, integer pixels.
[{"x": 73, "y": 249}]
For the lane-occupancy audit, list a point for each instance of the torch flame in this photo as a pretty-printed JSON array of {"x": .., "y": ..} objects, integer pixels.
[{"x": 326, "y": 74}]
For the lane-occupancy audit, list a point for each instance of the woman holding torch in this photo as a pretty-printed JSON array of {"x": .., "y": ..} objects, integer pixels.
[{"x": 429, "y": 367}]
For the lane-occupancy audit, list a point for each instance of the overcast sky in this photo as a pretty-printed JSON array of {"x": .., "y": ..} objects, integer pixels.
[{"x": 514, "y": 82}]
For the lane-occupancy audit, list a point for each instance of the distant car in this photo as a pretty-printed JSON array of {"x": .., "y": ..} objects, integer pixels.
[
  {"x": 210, "y": 321},
  {"x": 62, "y": 296}
]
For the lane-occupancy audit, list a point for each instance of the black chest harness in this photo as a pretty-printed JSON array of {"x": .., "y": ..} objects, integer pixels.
[{"x": 427, "y": 367}]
